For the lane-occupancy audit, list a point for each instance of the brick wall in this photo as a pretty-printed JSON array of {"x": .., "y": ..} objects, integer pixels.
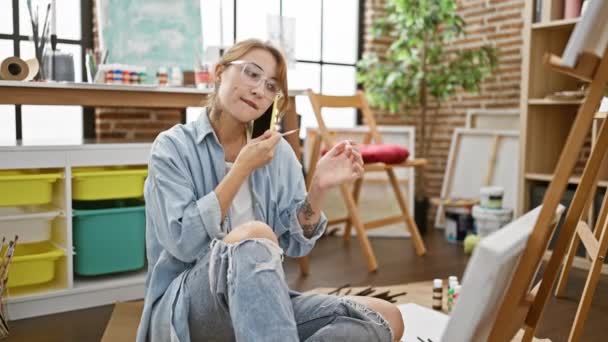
[
  {"x": 496, "y": 22},
  {"x": 134, "y": 123}
]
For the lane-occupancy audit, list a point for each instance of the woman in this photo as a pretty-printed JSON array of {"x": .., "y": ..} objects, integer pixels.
[{"x": 222, "y": 208}]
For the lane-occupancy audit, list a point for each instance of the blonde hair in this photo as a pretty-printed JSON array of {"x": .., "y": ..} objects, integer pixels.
[{"x": 241, "y": 48}]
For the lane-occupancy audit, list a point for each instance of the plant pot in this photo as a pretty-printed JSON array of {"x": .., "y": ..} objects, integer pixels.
[{"x": 421, "y": 211}]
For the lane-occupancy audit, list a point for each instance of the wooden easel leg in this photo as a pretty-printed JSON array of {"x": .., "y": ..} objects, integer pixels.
[
  {"x": 409, "y": 221},
  {"x": 528, "y": 334},
  {"x": 562, "y": 282},
  {"x": 591, "y": 284},
  {"x": 356, "y": 192},
  {"x": 353, "y": 213}
]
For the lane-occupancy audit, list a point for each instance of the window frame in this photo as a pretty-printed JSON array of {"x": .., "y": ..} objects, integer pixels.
[
  {"x": 85, "y": 42},
  {"x": 321, "y": 62}
]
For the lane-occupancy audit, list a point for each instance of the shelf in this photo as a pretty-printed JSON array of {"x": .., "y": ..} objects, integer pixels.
[
  {"x": 555, "y": 24},
  {"x": 549, "y": 102},
  {"x": 86, "y": 293},
  {"x": 546, "y": 177},
  {"x": 99, "y": 95},
  {"x": 85, "y": 284}
]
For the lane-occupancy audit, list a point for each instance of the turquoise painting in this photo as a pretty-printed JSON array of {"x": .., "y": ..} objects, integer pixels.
[{"x": 151, "y": 33}]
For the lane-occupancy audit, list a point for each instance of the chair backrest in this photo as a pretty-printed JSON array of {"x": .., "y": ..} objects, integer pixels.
[
  {"x": 488, "y": 277},
  {"x": 356, "y": 101}
]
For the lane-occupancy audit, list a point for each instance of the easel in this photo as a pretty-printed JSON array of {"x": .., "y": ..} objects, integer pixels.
[{"x": 525, "y": 306}]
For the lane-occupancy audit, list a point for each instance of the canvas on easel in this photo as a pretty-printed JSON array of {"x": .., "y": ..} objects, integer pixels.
[
  {"x": 582, "y": 61},
  {"x": 485, "y": 282}
]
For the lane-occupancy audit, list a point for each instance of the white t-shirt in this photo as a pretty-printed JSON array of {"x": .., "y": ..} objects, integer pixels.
[{"x": 241, "y": 209}]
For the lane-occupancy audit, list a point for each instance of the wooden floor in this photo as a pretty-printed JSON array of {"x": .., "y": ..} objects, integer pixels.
[{"x": 335, "y": 264}]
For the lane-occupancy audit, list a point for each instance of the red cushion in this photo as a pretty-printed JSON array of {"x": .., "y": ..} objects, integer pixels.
[{"x": 382, "y": 153}]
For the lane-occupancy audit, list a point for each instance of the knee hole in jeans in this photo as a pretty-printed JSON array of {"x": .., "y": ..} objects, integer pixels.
[{"x": 251, "y": 230}]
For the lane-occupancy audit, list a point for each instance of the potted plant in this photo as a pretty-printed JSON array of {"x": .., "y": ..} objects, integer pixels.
[{"x": 418, "y": 71}]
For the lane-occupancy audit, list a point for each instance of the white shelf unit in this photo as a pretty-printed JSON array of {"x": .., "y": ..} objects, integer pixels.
[{"x": 67, "y": 292}]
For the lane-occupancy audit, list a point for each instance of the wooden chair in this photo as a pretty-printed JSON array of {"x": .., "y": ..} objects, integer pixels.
[{"x": 350, "y": 197}]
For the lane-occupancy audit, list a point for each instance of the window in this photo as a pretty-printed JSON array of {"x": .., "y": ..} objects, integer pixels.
[
  {"x": 326, "y": 49},
  {"x": 74, "y": 34}
]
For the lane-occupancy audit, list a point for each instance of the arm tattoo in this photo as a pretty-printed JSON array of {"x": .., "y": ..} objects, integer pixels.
[{"x": 307, "y": 214}]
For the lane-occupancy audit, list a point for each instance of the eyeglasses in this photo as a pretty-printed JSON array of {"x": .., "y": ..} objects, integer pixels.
[{"x": 253, "y": 76}]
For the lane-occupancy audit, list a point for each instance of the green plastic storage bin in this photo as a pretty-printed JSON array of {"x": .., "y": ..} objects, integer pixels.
[{"x": 109, "y": 240}]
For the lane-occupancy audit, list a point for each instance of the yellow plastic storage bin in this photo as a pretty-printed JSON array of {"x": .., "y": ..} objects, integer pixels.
[
  {"x": 26, "y": 187},
  {"x": 33, "y": 263},
  {"x": 92, "y": 184}
]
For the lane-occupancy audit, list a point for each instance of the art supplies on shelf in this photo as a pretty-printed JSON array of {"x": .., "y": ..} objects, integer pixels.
[
  {"x": 121, "y": 74},
  {"x": 40, "y": 34},
  {"x": 568, "y": 95},
  {"x": 177, "y": 77},
  {"x": 202, "y": 76},
  {"x": 572, "y": 8},
  {"x": 552, "y": 10}
]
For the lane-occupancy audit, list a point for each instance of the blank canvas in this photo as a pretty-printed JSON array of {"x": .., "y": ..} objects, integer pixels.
[{"x": 468, "y": 163}]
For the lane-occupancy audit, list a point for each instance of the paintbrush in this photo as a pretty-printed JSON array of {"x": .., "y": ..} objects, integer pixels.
[
  {"x": 337, "y": 290},
  {"x": 45, "y": 27},
  {"x": 8, "y": 256},
  {"x": 275, "y": 116},
  {"x": 289, "y": 132}
]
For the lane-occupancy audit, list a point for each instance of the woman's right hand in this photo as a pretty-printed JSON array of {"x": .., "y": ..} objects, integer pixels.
[{"x": 258, "y": 152}]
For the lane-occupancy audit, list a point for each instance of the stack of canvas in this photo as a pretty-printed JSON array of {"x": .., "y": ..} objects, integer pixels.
[{"x": 479, "y": 157}]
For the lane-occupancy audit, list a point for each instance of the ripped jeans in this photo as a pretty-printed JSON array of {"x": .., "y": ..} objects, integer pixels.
[{"x": 238, "y": 292}]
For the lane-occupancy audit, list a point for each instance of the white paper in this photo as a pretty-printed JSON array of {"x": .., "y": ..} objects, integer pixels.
[{"x": 422, "y": 322}]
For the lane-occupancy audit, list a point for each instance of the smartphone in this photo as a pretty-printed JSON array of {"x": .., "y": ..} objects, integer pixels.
[{"x": 261, "y": 124}]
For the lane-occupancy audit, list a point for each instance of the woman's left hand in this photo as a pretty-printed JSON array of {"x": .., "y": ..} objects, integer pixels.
[{"x": 343, "y": 163}]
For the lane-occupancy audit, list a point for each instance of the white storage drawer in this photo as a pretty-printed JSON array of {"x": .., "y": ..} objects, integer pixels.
[{"x": 31, "y": 224}]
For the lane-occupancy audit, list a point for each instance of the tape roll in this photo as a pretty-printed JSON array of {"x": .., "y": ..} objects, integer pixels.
[{"x": 16, "y": 69}]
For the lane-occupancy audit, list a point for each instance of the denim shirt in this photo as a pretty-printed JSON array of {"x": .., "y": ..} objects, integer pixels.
[{"x": 183, "y": 214}]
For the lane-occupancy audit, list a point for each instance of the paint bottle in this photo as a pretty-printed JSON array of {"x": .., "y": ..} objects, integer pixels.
[
  {"x": 437, "y": 294},
  {"x": 202, "y": 76},
  {"x": 162, "y": 76},
  {"x": 457, "y": 290},
  {"x": 452, "y": 282},
  {"x": 177, "y": 77}
]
